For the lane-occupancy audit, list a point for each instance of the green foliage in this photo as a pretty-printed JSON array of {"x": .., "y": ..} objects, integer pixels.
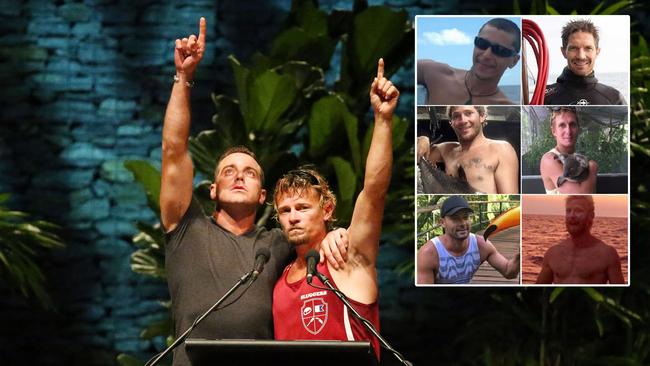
[
  {"x": 486, "y": 208},
  {"x": 607, "y": 145},
  {"x": 287, "y": 116},
  {"x": 21, "y": 239},
  {"x": 285, "y": 113}
]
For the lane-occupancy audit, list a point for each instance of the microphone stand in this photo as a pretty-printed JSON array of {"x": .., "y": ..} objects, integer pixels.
[
  {"x": 363, "y": 320},
  {"x": 182, "y": 337}
]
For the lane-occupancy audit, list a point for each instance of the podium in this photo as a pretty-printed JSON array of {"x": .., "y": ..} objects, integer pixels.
[{"x": 244, "y": 352}]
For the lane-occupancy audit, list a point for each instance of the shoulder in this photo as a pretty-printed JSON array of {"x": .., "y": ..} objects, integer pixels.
[
  {"x": 607, "y": 249},
  {"x": 434, "y": 67},
  {"x": 428, "y": 255},
  {"x": 484, "y": 246},
  {"x": 427, "y": 249},
  {"x": 555, "y": 250},
  {"x": 446, "y": 146},
  {"x": 551, "y": 89},
  {"x": 612, "y": 94},
  {"x": 548, "y": 161},
  {"x": 500, "y": 145}
]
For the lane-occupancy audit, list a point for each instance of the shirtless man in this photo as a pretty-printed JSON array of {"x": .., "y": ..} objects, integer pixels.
[
  {"x": 581, "y": 258},
  {"x": 496, "y": 48},
  {"x": 566, "y": 129},
  {"x": 490, "y": 166},
  {"x": 454, "y": 257}
]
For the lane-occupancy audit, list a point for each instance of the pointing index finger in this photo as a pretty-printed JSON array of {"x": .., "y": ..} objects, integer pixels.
[
  {"x": 202, "y": 27},
  {"x": 380, "y": 68}
]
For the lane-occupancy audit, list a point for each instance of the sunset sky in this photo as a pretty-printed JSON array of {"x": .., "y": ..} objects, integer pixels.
[{"x": 606, "y": 205}]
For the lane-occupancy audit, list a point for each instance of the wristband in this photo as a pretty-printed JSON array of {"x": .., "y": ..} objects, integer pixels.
[{"x": 189, "y": 84}]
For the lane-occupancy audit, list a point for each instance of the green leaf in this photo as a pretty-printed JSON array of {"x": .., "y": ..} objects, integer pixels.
[
  {"x": 240, "y": 74},
  {"x": 143, "y": 261},
  {"x": 617, "y": 7},
  {"x": 127, "y": 360},
  {"x": 149, "y": 178},
  {"x": 327, "y": 116},
  {"x": 551, "y": 10},
  {"x": 269, "y": 96},
  {"x": 346, "y": 180},
  {"x": 556, "y": 292},
  {"x": 298, "y": 44},
  {"x": 158, "y": 328},
  {"x": 377, "y": 30},
  {"x": 307, "y": 78}
]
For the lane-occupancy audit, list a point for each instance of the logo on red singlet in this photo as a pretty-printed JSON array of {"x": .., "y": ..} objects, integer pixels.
[{"x": 314, "y": 315}]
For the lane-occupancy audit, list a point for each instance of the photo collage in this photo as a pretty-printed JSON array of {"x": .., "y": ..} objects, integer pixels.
[{"x": 522, "y": 151}]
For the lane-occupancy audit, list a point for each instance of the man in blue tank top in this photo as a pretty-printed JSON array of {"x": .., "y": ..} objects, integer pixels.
[{"x": 454, "y": 257}]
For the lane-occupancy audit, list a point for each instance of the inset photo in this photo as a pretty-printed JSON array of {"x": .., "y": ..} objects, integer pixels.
[
  {"x": 575, "y": 149},
  {"x": 576, "y": 60},
  {"x": 468, "y": 149},
  {"x": 468, "y": 240},
  {"x": 575, "y": 239},
  {"x": 468, "y": 60}
]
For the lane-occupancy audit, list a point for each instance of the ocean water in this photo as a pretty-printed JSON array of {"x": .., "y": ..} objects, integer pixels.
[
  {"x": 619, "y": 81},
  {"x": 511, "y": 91},
  {"x": 540, "y": 232}
]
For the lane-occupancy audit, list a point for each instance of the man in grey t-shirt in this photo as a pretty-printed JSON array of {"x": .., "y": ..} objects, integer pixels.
[{"x": 206, "y": 255}]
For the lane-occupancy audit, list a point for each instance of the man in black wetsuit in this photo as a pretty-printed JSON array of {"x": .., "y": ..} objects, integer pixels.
[{"x": 578, "y": 85}]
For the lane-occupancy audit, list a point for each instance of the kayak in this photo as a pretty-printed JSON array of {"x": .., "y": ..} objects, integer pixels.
[{"x": 507, "y": 219}]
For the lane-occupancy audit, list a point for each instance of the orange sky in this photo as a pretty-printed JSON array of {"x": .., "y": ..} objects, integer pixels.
[{"x": 606, "y": 205}]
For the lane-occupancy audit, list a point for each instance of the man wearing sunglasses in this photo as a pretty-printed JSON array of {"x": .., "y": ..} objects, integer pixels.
[
  {"x": 206, "y": 255},
  {"x": 577, "y": 85},
  {"x": 305, "y": 207},
  {"x": 496, "y": 48}
]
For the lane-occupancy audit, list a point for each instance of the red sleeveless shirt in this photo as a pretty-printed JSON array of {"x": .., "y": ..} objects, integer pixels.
[{"x": 302, "y": 312}]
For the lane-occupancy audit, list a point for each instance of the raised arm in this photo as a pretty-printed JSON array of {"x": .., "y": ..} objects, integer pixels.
[
  {"x": 177, "y": 170},
  {"x": 365, "y": 227}
]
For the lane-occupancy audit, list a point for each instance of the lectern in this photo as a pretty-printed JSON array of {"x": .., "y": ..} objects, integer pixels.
[{"x": 245, "y": 352}]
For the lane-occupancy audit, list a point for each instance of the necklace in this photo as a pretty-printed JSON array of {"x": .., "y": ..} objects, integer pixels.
[{"x": 471, "y": 96}]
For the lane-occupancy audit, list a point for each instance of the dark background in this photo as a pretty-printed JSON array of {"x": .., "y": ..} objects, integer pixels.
[{"x": 84, "y": 86}]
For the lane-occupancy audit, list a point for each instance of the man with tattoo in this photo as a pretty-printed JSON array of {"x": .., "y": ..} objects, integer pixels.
[{"x": 489, "y": 166}]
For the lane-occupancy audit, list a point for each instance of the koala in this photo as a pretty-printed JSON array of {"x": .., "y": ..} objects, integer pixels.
[{"x": 576, "y": 168}]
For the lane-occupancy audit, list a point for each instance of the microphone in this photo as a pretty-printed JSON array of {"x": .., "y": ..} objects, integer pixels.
[
  {"x": 312, "y": 257},
  {"x": 261, "y": 257}
]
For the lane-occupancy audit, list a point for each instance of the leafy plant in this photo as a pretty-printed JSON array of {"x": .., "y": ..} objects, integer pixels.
[
  {"x": 285, "y": 112},
  {"x": 20, "y": 241}
]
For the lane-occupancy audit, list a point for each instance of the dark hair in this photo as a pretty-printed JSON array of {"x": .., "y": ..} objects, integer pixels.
[
  {"x": 578, "y": 25},
  {"x": 507, "y": 26},
  {"x": 244, "y": 150},
  {"x": 482, "y": 110}
]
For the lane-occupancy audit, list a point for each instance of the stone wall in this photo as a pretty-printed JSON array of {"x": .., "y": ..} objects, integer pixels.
[{"x": 84, "y": 87}]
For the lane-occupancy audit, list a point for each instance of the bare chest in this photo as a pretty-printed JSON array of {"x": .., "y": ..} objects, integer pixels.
[
  {"x": 477, "y": 167},
  {"x": 579, "y": 266}
]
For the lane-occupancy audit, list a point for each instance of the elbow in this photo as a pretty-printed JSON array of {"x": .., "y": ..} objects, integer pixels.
[{"x": 173, "y": 147}]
